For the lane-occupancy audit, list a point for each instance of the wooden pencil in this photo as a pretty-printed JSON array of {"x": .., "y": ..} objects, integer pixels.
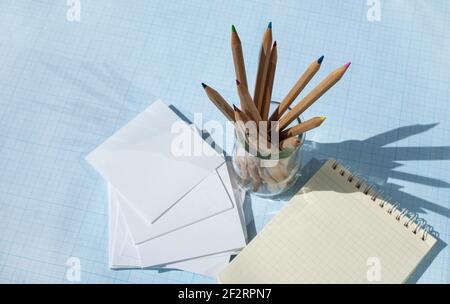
[
  {"x": 297, "y": 89},
  {"x": 269, "y": 83},
  {"x": 241, "y": 159},
  {"x": 238, "y": 57},
  {"x": 315, "y": 94},
  {"x": 241, "y": 120},
  {"x": 270, "y": 182},
  {"x": 240, "y": 115},
  {"x": 242, "y": 164},
  {"x": 252, "y": 167},
  {"x": 219, "y": 102},
  {"x": 247, "y": 104},
  {"x": 264, "y": 56},
  {"x": 246, "y": 163},
  {"x": 302, "y": 128},
  {"x": 290, "y": 143},
  {"x": 256, "y": 140}
]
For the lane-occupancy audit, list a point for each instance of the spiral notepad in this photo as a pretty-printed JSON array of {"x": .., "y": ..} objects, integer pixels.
[{"x": 337, "y": 229}]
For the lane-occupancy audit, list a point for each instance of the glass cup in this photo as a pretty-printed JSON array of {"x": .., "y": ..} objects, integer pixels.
[{"x": 268, "y": 175}]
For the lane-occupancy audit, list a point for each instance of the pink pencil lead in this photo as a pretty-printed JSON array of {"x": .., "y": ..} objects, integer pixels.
[
  {"x": 348, "y": 64},
  {"x": 238, "y": 82}
]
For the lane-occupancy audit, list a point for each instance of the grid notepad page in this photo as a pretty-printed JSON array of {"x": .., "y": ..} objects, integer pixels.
[{"x": 333, "y": 231}]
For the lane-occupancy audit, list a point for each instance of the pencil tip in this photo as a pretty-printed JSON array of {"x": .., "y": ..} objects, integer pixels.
[
  {"x": 347, "y": 64},
  {"x": 238, "y": 82},
  {"x": 269, "y": 26},
  {"x": 233, "y": 28},
  {"x": 319, "y": 61},
  {"x": 274, "y": 44},
  {"x": 322, "y": 118},
  {"x": 204, "y": 85},
  {"x": 234, "y": 107}
]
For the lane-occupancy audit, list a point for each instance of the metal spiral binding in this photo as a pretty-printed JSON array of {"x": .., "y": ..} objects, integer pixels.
[{"x": 411, "y": 219}]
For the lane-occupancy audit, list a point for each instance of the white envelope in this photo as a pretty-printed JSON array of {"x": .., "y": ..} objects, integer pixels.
[
  {"x": 222, "y": 233},
  {"x": 185, "y": 212},
  {"x": 124, "y": 254},
  {"x": 138, "y": 162},
  {"x": 139, "y": 151}
]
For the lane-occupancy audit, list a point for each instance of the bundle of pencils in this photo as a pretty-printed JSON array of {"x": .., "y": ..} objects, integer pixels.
[{"x": 255, "y": 109}]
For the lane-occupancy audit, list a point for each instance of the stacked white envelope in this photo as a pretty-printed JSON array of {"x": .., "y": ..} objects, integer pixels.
[{"x": 166, "y": 208}]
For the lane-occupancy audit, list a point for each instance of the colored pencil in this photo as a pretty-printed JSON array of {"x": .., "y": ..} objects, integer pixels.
[
  {"x": 256, "y": 140},
  {"x": 301, "y": 83},
  {"x": 247, "y": 104},
  {"x": 269, "y": 84},
  {"x": 240, "y": 119},
  {"x": 219, "y": 102},
  {"x": 302, "y": 128},
  {"x": 240, "y": 122},
  {"x": 290, "y": 143},
  {"x": 244, "y": 129},
  {"x": 264, "y": 56},
  {"x": 252, "y": 166},
  {"x": 315, "y": 94},
  {"x": 238, "y": 57}
]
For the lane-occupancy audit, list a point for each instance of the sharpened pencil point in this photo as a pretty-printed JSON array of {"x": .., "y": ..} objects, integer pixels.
[
  {"x": 323, "y": 118},
  {"x": 269, "y": 26},
  {"x": 348, "y": 64},
  {"x": 204, "y": 85},
  {"x": 235, "y": 108},
  {"x": 233, "y": 28},
  {"x": 319, "y": 61},
  {"x": 238, "y": 82},
  {"x": 274, "y": 44}
]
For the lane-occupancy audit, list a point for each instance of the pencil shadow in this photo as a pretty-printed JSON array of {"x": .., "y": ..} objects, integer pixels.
[
  {"x": 378, "y": 168},
  {"x": 380, "y": 164},
  {"x": 103, "y": 93},
  {"x": 249, "y": 218}
]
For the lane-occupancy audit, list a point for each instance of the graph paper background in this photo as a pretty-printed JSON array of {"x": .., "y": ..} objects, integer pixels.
[{"x": 67, "y": 86}]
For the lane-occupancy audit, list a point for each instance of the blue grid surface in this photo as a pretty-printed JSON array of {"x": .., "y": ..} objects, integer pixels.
[{"x": 67, "y": 86}]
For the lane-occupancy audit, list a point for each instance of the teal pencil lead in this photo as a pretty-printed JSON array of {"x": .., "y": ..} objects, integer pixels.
[{"x": 319, "y": 61}]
